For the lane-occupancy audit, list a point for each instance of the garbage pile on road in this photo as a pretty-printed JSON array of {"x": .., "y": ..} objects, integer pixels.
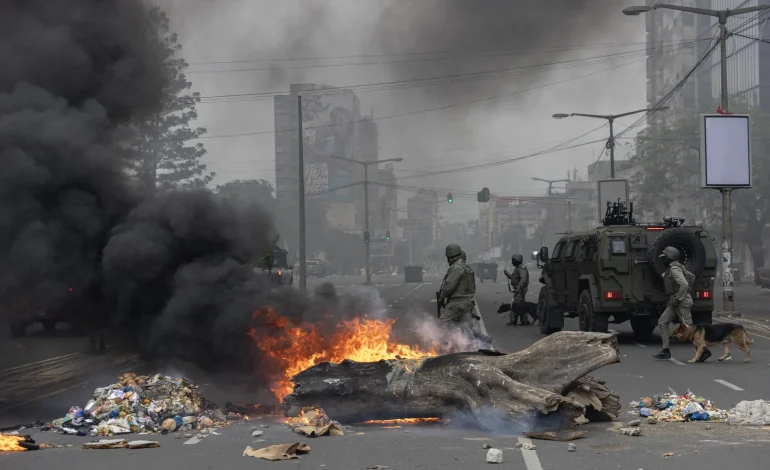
[
  {"x": 750, "y": 413},
  {"x": 675, "y": 408},
  {"x": 141, "y": 404}
]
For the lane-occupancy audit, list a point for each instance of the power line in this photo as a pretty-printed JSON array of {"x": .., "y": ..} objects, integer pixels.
[{"x": 439, "y": 108}]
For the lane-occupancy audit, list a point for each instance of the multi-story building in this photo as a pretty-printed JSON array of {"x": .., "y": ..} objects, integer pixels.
[
  {"x": 420, "y": 225},
  {"x": 333, "y": 130},
  {"x": 675, "y": 42}
]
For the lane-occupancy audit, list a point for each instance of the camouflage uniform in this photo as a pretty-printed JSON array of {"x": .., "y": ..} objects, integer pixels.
[
  {"x": 680, "y": 300},
  {"x": 485, "y": 341},
  {"x": 520, "y": 283},
  {"x": 456, "y": 294}
]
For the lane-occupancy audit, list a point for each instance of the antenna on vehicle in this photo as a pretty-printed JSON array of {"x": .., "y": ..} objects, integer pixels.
[{"x": 617, "y": 214}]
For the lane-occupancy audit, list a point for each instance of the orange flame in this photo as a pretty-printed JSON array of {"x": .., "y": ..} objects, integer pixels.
[
  {"x": 292, "y": 349},
  {"x": 403, "y": 421},
  {"x": 11, "y": 443}
]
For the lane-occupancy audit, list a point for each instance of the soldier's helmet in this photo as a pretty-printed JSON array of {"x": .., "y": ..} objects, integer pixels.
[
  {"x": 517, "y": 259},
  {"x": 452, "y": 250},
  {"x": 671, "y": 253},
  {"x": 463, "y": 256}
]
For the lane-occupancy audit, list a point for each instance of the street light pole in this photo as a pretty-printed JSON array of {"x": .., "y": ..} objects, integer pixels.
[
  {"x": 727, "y": 210},
  {"x": 366, "y": 205},
  {"x": 611, "y": 119},
  {"x": 301, "y": 164}
]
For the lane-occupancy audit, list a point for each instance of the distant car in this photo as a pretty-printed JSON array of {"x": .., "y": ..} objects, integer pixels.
[
  {"x": 315, "y": 269},
  {"x": 22, "y": 311}
]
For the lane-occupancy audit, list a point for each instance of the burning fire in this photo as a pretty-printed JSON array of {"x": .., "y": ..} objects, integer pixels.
[
  {"x": 403, "y": 421},
  {"x": 11, "y": 443},
  {"x": 294, "y": 348}
]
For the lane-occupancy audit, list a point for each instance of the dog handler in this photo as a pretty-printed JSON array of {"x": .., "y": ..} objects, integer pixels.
[{"x": 679, "y": 303}]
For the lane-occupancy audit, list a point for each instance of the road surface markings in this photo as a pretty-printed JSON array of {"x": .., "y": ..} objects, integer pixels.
[
  {"x": 531, "y": 460},
  {"x": 729, "y": 385},
  {"x": 640, "y": 345},
  {"x": 193, "y": 441},
  {"x": 679, "y": 363},
  {"x": 50, "y": 359}
]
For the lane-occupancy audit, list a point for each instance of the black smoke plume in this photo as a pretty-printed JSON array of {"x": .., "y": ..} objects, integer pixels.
[{"x": 174, "y": 269}]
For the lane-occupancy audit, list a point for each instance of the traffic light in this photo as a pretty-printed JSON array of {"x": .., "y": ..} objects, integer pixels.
[
  {"x": 449, "y": 198},
  {"x": 483, "y": 195},
  {"x": 366, "y": 236},
  {"x": 387, "y": 235}
]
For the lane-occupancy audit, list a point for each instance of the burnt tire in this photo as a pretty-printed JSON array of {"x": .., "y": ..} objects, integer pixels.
[
  {"x": 702, "y": 318},
  {"x": 588, "y": 319},
  {"x": 643, "y": 326},
  {"x": 691, "y": 250},
  {"x": 544, "y": 311}
]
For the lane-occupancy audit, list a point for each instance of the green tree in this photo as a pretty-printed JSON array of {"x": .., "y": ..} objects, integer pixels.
[
  {"x": 667, "y": 168},
  {"x": 163, "y": 156}
]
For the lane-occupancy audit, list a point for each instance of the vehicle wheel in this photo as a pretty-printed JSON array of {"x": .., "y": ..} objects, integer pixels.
[
  {"x": 543, "y": 312},
  {"x": 643, "y": 326},
  {"x": 49, "y": 326},
  {"x": 690, "y": 246},
  {"x": 18, "y": 329},
  {"x": 588, "y": 319},
  {"x": 702, "y": 318}
]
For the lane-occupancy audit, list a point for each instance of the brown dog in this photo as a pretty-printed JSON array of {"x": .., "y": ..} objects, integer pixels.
[{"x": 702, "y": 336}]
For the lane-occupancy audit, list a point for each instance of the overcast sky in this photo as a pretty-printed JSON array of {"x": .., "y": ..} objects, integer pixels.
[{"x": 595, "y": 51}]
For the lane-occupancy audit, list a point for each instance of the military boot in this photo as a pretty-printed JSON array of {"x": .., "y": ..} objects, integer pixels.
[{"x": 664, "y": 354}]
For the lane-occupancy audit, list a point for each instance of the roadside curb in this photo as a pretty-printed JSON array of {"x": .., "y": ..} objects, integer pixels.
[{"x": 722, "y": 314}]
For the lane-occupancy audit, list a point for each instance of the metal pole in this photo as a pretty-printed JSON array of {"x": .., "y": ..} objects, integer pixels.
[
  {"x": 366, "y": 223},
  {"x": 727, "y": 215},
  {"x": 301, "y": 164},
  {"x": 569, "y": 216},
  {"x": 390, "y": 242},
  {"x": 611, "y": 144}
]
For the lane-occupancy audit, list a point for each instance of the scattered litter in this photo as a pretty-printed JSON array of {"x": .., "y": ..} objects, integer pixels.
[
  {"x": 571, "y": 447},
  {"x": 562, "y": 436},
  {"x": 278, "y": 452},
  {"x": 519, "y": 445},
  {"x": 631, "y": 431},
  {"x": 652, "y": 420},
  {"x": 671, "y": 407},
  {"x": 708, "y": 428},
  {"x": 750, "y": 413},
  {"x": 121, "y": 444},
  {"x": 494, "y": 456},
  {"x": 668, "y": 454},
  {"x": 256, "y": 433},
  {"x": 314, "y": 422},
  {"x": 486, "y": 446},
  {"x": 137, "y": 404},
  {"x": 528, "y": 446},
  {"x": 248, "y": 409},
  {"x": 634, "y": 423}
]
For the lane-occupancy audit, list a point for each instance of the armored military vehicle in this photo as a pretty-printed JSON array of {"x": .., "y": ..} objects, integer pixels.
[{"x": 612, "y": 274}]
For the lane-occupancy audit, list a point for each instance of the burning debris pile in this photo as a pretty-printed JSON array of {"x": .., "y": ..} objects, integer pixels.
[
  {"x": 549, "y": 377},
  {"x": 288, "y": 349},
  {"x": 11, "y": 443},
  {"x": 140, "y": 404}
]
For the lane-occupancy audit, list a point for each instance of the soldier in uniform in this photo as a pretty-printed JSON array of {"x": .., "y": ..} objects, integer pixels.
[
  {"x": 520, "y": 283},
  {"x": 484, "y": 340},
  {"x": 456, "y": 294},
  {"x": 680, "y": 301}
]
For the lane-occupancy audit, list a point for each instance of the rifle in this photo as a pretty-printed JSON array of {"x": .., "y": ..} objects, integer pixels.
[{"x": 438, "y": 303}]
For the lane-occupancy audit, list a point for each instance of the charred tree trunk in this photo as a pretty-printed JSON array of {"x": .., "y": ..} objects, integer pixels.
[{"x": 549, "y": 376}]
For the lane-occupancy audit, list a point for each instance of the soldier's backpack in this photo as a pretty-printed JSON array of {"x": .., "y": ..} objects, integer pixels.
[{"x": 690, "y": 281}]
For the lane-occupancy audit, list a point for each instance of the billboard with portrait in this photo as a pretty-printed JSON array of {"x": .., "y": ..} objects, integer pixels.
[{"x": 329, "y": 131}]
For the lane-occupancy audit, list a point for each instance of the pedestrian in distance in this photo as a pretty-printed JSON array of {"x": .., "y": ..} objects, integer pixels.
[{"x": 519, "y": 281}]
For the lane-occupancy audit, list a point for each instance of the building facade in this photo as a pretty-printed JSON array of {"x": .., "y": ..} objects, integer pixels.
[{"x": 332, "y": 131}]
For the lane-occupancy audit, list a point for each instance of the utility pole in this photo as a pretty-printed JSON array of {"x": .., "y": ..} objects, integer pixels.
[
  {"x": 387, "y": 228},
  {"x": 301, "y": 165},
  {"x": 366, "y": 205},
  {"x": 727, "y": 212},
  {"x": 569, "y": 216},
  {"x": 611, "y": 119}
]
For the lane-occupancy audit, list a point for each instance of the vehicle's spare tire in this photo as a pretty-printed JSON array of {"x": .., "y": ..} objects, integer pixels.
[{"x": 692, "y": 253}]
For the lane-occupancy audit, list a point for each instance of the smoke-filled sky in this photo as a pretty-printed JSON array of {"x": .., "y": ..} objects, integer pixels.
[{"x": 389, "y": 39}]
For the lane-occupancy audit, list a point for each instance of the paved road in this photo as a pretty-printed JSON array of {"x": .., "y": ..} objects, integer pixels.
[{"x": 637, "y": 375}]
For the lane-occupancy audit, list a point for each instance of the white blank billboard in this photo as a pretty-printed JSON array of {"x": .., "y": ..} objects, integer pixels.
[
  {"x": 725, "y": 151},
  {"x": 611, "y": 191}
]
